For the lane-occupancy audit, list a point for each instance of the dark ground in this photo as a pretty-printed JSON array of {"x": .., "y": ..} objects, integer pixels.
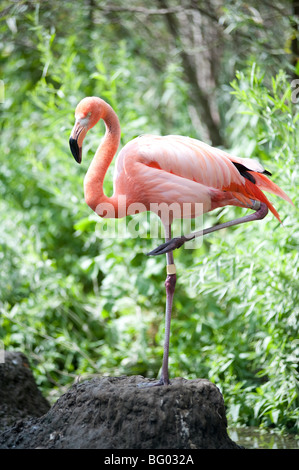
[{"x": 110, "y": 413}]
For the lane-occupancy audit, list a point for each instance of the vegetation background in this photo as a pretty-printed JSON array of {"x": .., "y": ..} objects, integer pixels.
[{"x": 77, "y": 303}]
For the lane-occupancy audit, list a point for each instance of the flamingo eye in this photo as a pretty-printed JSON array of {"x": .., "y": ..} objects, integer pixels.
[{"x": 84, "y": 121}]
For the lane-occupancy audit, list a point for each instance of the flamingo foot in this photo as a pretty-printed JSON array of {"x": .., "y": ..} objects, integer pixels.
[{"x": 171, "y": 245}]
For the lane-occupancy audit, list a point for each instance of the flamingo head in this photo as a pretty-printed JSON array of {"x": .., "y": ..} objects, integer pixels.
[{"x": 88, "y": 112}]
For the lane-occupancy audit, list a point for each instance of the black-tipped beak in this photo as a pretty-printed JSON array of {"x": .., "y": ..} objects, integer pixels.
[{"x": 76, "y": 150}]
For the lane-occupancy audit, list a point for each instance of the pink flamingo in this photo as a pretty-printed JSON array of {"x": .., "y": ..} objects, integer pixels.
[{"x": 153, "y": 171}]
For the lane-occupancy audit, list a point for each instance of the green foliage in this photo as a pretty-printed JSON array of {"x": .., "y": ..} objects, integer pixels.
[{"x": 80, "y": 304}]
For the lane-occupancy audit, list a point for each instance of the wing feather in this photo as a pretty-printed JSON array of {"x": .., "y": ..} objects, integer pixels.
[{"x": 189, "y": 158}]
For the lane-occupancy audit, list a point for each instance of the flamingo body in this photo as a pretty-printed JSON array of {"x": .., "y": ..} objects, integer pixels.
[{"x": 154, "y": 169}]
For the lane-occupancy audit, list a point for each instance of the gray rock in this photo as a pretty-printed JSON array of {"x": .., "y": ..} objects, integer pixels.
[{"x": 114, "y": 413}]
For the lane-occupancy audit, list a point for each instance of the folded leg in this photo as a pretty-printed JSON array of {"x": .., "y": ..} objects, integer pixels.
[{"x": 177, "y": 242}]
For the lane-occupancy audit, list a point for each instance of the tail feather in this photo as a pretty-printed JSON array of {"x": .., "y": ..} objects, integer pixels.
[
  {"x": 255, "y": 181},
  {"x": 267, "y": 185},
  {"x": 254, "y": 191}
]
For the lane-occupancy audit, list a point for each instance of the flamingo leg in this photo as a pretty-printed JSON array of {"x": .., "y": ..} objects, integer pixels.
[
  {"x": 170, "y": 287},
  {"x": 177, "y": 242},
  {"x": 170, "y": 283}
]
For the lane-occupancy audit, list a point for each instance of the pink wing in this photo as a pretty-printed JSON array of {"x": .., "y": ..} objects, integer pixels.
[
  {"x": 189, "y": 158},
  {"x": 172, "y": 169}
]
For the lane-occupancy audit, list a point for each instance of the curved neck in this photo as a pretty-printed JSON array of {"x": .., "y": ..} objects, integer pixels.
[{"x": 94, "y": 178}]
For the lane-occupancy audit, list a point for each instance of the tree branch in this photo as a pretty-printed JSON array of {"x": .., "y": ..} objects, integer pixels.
[{"x": 198, "y": 93}]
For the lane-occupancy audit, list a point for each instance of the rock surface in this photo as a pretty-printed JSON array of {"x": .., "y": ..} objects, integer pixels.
[
  {"x": 114, "y": 413},
  {"x": 19, "y": 395}
]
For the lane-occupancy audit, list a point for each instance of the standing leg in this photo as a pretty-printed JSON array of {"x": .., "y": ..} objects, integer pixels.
[{"x": 170, "y": 287}]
